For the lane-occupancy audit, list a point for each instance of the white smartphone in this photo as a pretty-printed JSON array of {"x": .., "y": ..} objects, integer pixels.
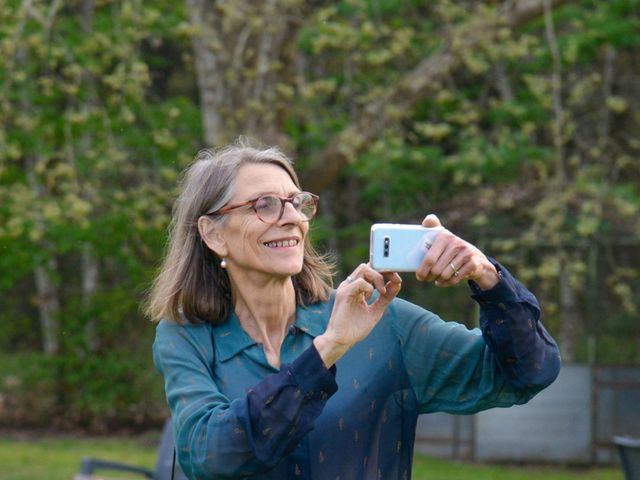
[{"x": 397, "y": 247}]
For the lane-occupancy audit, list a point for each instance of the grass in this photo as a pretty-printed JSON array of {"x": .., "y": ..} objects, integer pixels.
[
  {"x": 58, "y": 458},
  {"x": 425, "y": 468}
]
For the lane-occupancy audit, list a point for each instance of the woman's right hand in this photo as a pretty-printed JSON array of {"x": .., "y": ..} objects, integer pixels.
[{"x": 353, "y": 318}]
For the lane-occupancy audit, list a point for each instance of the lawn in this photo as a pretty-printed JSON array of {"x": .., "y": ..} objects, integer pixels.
[{"x": 58, "y": 458}]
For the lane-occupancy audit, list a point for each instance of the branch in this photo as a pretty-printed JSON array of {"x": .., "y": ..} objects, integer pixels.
[{"x": 417, "y": 84}]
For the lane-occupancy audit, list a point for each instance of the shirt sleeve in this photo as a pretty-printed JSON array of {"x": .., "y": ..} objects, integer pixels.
[
  {"x": 510, "y": 323},
  {"x": 216, "y": 437},
  {"x": 456, "y": 370}
]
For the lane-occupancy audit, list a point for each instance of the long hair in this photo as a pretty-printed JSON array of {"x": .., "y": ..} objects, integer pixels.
[{"x": 191, "y": 286}]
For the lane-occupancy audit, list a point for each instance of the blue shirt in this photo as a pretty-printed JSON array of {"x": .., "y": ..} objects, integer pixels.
[{"x": 235, "y": 416}]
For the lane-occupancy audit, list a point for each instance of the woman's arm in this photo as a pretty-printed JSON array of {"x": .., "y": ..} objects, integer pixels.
[
  {"x": 216, "y": 437},
  {"x": 505, "y": 362}
]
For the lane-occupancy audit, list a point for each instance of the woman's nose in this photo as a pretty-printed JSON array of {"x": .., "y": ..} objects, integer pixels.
[{"x": 290, "y": 214}]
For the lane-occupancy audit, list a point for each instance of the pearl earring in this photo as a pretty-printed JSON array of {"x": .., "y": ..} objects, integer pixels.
[{"x": 223, "y": 263}]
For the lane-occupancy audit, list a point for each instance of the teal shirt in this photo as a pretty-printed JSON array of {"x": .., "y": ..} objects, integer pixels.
[{"x": 236, "y": 416}]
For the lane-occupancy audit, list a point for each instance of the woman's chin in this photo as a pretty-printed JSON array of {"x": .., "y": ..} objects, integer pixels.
[{"x": 288, "y": 270}]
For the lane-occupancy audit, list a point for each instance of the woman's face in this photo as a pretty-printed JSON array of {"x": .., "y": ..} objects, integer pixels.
[{"x": 253, "y": 246}]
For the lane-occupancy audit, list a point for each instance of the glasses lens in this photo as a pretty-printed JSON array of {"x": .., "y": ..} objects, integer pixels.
[
  {"x": 305, "y": 204},
  {"x": 268, "y": 208}
]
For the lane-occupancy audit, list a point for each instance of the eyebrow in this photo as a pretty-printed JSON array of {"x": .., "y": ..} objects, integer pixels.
[{"x": 274, "y": 193}]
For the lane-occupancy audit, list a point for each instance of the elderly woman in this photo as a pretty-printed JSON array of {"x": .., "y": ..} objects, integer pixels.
[{"x": 271, "y": 374}]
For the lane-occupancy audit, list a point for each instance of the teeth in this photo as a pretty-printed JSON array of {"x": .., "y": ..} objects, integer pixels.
[{"x": 282, "y": 243}]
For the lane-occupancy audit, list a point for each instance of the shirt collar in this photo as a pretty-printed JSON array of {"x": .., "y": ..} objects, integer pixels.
[
  {"x": 229, "y": 339},
  {"x": 313, "y": 319}
]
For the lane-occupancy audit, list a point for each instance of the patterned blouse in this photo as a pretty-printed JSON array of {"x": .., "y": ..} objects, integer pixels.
[{"x": 235, "y": 416}]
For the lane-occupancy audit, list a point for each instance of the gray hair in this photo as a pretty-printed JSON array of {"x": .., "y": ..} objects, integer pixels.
[{"x": 191, "y": 286}]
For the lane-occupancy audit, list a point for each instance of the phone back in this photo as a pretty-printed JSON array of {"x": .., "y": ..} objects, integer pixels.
[{"x": 398, "y": 247}]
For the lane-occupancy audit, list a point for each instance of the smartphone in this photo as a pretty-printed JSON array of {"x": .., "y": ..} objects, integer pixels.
[{"x": 395, "y": 247}]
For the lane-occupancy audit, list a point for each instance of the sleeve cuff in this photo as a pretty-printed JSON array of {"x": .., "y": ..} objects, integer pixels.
[
  {"x": 311, "y": 375},
  {"x": 508, "y": 291}
]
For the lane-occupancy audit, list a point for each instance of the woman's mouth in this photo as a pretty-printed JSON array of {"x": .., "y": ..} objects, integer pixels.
[{"x": 282, "y": 243}]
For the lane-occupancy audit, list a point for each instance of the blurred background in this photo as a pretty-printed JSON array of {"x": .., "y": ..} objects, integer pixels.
[{"x": 516, "y": 122}]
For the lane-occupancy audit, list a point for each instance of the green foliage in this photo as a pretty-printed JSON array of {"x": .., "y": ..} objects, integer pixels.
[
  {"x": 497, "y": 160},
  {"x": 532, "y": 156},
  {"x": 90, "y": 151}
]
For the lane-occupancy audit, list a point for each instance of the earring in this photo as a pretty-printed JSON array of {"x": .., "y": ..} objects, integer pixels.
[{"x": 223, "y": 263}]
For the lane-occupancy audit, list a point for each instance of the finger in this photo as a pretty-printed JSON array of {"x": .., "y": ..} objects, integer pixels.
[
  {"x": 431, "y": 220},
  {"x": 372, "y": 276},
  {"x": 353, "y": 276},
  {"x": 360, "y": 287},
  {"x": 449, "y": 262},
  {"x": 440, "y": 263},
  {"x": 425, "y": 272},
  {"x": 393, "y": 286},
  {"x": 468, "y": 267},
  {"x": 392, "y": 277},
  {"x": 377, "y": 279}
]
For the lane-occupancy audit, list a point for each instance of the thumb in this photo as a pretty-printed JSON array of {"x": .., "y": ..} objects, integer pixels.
[{"x": 431, "y": 221}]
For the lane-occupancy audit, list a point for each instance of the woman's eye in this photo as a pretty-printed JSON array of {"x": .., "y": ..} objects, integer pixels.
[{"x": 266, "y": 203}]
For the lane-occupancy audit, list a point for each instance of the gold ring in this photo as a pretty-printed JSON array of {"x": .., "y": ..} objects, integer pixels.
[{"x": 455, "y": 272}]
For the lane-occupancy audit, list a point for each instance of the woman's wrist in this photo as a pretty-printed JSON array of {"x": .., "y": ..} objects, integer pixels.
[
  {"x": 489, "y": 277},
  {"x": 329, "y": 350}
]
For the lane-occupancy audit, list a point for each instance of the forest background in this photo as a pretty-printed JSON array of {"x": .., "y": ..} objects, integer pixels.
[{"x": 516, "y": 122}]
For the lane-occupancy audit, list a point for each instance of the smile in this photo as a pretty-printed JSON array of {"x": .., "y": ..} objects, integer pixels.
[{"x": 282, "y": 243}]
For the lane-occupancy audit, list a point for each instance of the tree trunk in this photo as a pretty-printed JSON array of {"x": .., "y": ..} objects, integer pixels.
[
  {"x": 90, "y": 265},
  {"x": 47, "y": 295},
  {"x": 570, "y": 315},
  {"x": 239, "y": 64},
  {"x": 207, "y": 68},
  {"x": 90, "y": 270},
  {"x": 48, "y": 306}
]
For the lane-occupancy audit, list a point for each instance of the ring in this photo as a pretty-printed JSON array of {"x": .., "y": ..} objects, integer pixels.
[
  {"x": 349, "y": 279},
  {"x": 455, "y": 272}
]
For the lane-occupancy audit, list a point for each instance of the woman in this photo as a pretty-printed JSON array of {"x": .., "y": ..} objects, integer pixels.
[{"x": 270, "y": 374}]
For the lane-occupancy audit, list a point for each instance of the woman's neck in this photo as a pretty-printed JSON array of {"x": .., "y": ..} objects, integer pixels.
[{"x": 265, "y": 311}]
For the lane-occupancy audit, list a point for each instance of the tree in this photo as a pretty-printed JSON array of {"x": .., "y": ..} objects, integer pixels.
[
  {"x": 86, "y": 161},
  {"x": 514, "y": 121}
]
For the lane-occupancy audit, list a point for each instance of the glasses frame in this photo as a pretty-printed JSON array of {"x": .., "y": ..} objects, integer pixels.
[{"x": 283, "y": 202}]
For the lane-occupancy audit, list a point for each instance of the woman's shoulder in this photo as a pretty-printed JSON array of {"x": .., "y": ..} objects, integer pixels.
[
  {"x": 171, "y": 328},
  {"x": 172, "y": 336}
]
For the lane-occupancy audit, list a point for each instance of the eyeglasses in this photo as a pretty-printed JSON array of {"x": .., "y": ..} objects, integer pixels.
[{"x": 270, "y": 208}]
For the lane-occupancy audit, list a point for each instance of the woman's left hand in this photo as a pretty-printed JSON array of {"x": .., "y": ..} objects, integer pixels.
[{"x": 451, "y": 260}]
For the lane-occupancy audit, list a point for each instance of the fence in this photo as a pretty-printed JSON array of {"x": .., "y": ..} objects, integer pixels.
[{"x": 572, "y": 421}]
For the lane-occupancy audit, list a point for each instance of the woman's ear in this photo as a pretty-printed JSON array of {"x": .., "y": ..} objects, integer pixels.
[{"x": 211, "y": 236}]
